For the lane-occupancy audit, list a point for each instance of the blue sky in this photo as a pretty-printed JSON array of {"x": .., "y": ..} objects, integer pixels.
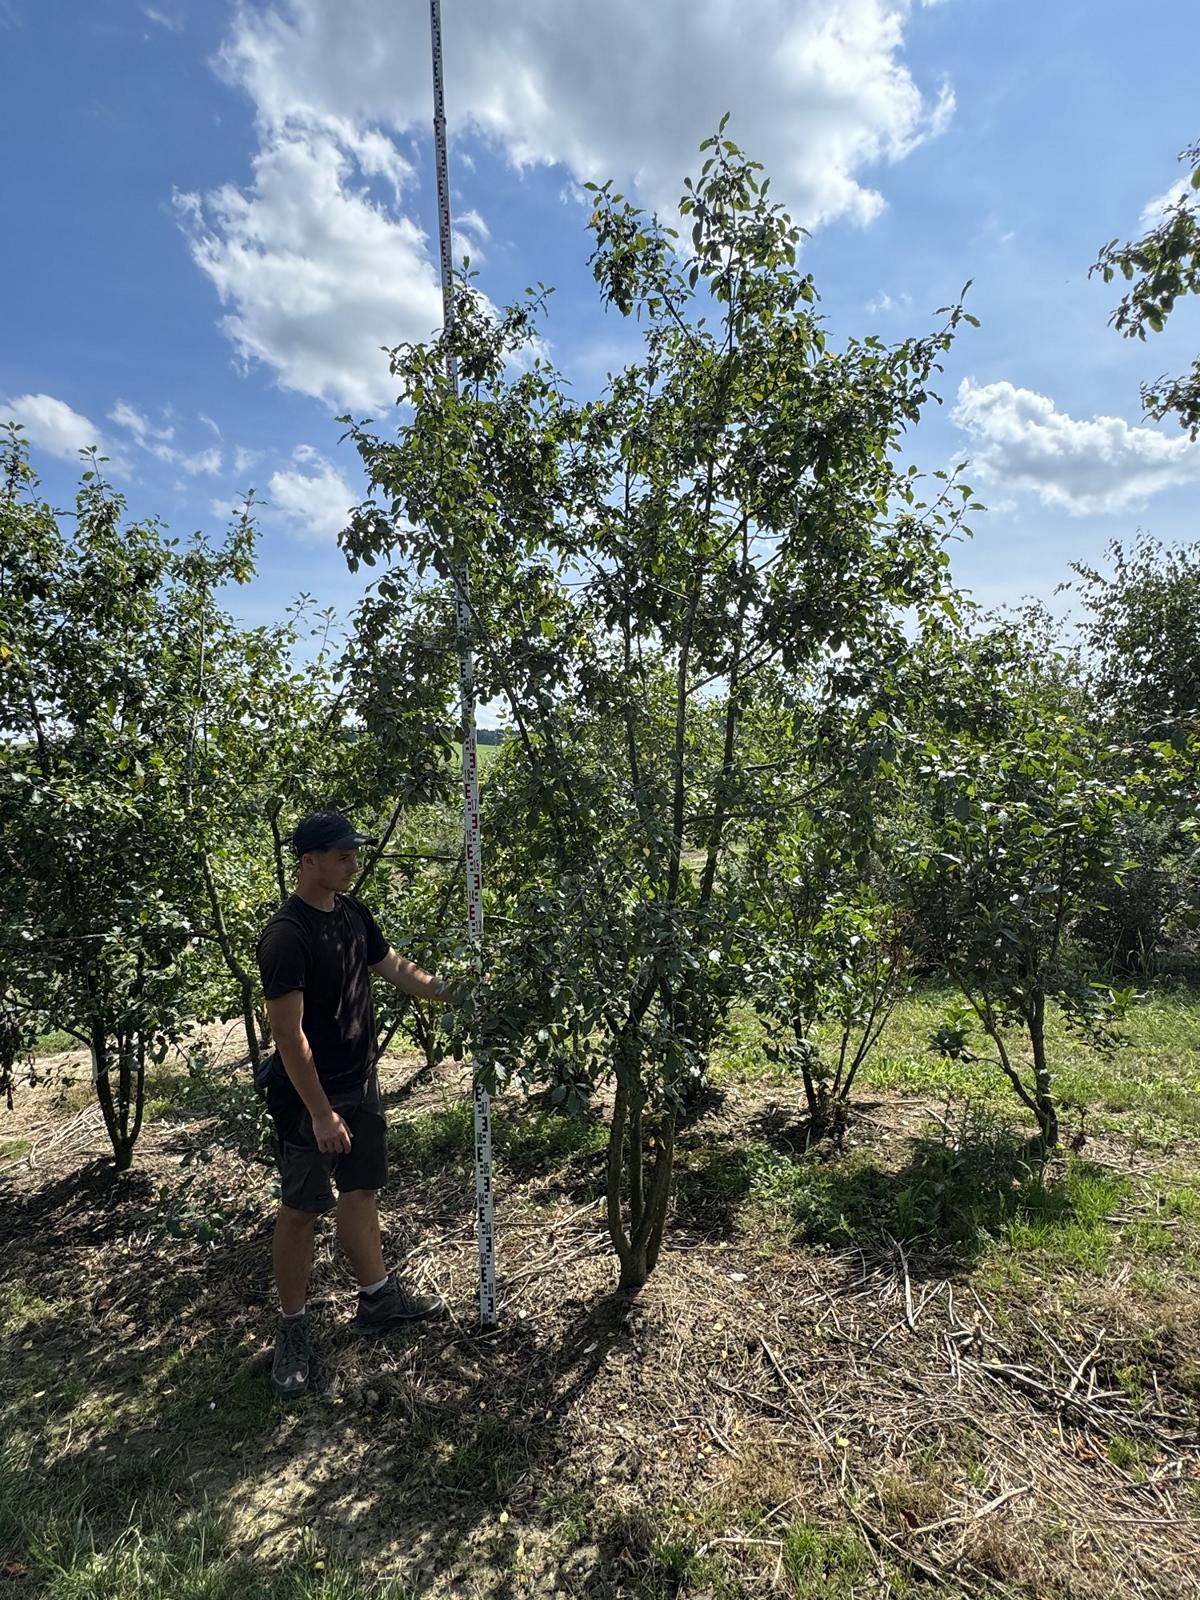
[{"x": 217, "y": 214}]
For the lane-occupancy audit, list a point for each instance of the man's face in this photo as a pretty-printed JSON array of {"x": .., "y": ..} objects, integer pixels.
[{"x": 335, "y": 870}]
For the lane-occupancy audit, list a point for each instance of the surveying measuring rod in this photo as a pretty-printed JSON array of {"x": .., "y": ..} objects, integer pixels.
[{"x": 485, "y": 1222}]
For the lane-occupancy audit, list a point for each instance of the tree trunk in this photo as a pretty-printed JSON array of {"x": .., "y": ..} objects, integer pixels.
[
  {"x": 1047, "y": 1111},
  {"x": 635, "y": 1269},
  {"x": 123, "y": 1110},
  {"x": 225, "y": 944},
  {"x": 426, "y": 1036},
  {"x": 277, "y": 848},
  {"x": 641, "y": 1257},
  {"x": 614, "y": 1169},
  {"x": 660, "y": 1189},
  {"x": 638, "y": 1251},
  {"x": 252, "y": 1040}
]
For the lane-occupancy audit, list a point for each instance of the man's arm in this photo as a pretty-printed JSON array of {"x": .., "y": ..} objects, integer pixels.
[
  {"x": 286, "y": 1014},
  {"x": 410, "y": 979}
]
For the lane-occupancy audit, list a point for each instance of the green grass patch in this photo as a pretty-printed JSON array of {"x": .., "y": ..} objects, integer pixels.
[
  {"x": 524, "y": 1144},
  {"x": 434, "y": 1139},
  {"x": 19, "y": 1310},
  {"x": 738, "y": 1058},
  {"x": 822, "y": 1565},
  {"x": 55, "y": 1043},
  {"x": 528, "y": 1145},
  {"x": 490, "y": 1461},
  {"x": 976, "y": 1191},
  {"x": 1149, "y": 1086},
  {"x": 65, "y": 1536},
  {"x": 195, "y": 1397},
  {"x": 571, "y": 1511},
  {"x": 1128, "y": 1453},
  {"x": 678, "y": 1561},
  {"x": 14, "y": 1149}
]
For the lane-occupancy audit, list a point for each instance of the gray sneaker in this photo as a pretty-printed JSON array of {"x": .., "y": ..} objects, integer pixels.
[
  {"x": 293, "y": 1353},
  {"x": 395, "y": 1303}
]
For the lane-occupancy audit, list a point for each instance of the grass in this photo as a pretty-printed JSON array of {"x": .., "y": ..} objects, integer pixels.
[
  {"x": 1149, "y": 1087},
  {"x": 55, "y": 1043},
  {"x": 976, "y": 1198},
  {"x": 486, "y": 1462},
  {"x": 524, "y": 1145},
  {"x": 825, "y": 1565},
  {"x": 65, "y": 1536}
]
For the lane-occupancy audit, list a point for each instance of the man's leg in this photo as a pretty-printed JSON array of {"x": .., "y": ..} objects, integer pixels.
[
  {"x": 359, "y": 1175},
  {"x": 358, "y": 1234},
  {"x": 292, "y": 1254},
  {"x": 390, "y": 1301}
]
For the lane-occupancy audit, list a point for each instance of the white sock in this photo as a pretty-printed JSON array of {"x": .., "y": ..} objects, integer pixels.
[
  {"x": 372, "y": 1288},
  {"x": 290, "y": 1316}
]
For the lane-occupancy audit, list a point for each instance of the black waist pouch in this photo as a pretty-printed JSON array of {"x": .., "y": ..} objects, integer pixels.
[{"x": 267, "y": 1071}]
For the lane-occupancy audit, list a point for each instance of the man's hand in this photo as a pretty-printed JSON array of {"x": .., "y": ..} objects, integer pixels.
[
  {"x": 332, "y": 1135},
  {"x": 409, "y": 978}
]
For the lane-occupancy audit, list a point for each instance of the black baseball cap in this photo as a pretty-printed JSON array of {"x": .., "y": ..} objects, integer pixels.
[{"x": 327, "y": 830}]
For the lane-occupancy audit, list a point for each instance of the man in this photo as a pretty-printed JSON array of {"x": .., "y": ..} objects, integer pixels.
[{"x": 316, "y": 955}]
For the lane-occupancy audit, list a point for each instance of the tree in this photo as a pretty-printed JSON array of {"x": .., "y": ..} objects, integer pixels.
[
  {"x": 99, "y": 901},
  {"x": 641, "y": 564},
  {"x": 1162, "y": 266},
  {"x": 1019, "y": 832},
  {"x": 826, "y": 946},
  {"x": 835, "y": 962},
  {"x": 1141, "y": 634},
  {"x": 153, "y": 753},
  {"x": 287, "y": 718}
]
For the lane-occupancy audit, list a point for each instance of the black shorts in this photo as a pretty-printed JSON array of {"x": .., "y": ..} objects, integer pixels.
[{"x": 306, "y": 1172}]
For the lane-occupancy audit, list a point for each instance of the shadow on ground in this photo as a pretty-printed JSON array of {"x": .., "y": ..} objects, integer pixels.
[{"x": 140, "y": 1363}]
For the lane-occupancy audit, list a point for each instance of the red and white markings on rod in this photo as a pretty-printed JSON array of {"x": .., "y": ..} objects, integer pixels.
[{"x": 485, "y": 1220}]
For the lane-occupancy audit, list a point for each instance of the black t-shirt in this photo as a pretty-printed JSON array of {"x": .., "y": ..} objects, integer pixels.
[{"x": 326, "y": 954}]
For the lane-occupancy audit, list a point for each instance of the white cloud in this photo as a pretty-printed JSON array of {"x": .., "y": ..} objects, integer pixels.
[
  {"x": 1101, "y": 464},
  {"x": 172, "y": 22},
  {"x": 316, "y": 501},
  {"x": 204, "y": 461},
  {"x": 143, "y": 430},
  {"x": 884, "y": 303},
  {"x": 155, "y": 440},
  {"x": 51, "y": 425},
  {"x": 469, "y": 236},
  {"x": 818, "y": 88},
  {"x": 209, "y": 423},
  {"x": 317, "y": 270},
  {"x": 317, "y": 275},
  {"x": 244, "y": 459},
  {"x": 1155, "y": 210}
]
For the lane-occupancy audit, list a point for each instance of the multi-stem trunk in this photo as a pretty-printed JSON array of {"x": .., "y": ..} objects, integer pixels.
[
  {"x": 122, "y": 1104},
  {"x": 638, "y": 1191}
]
